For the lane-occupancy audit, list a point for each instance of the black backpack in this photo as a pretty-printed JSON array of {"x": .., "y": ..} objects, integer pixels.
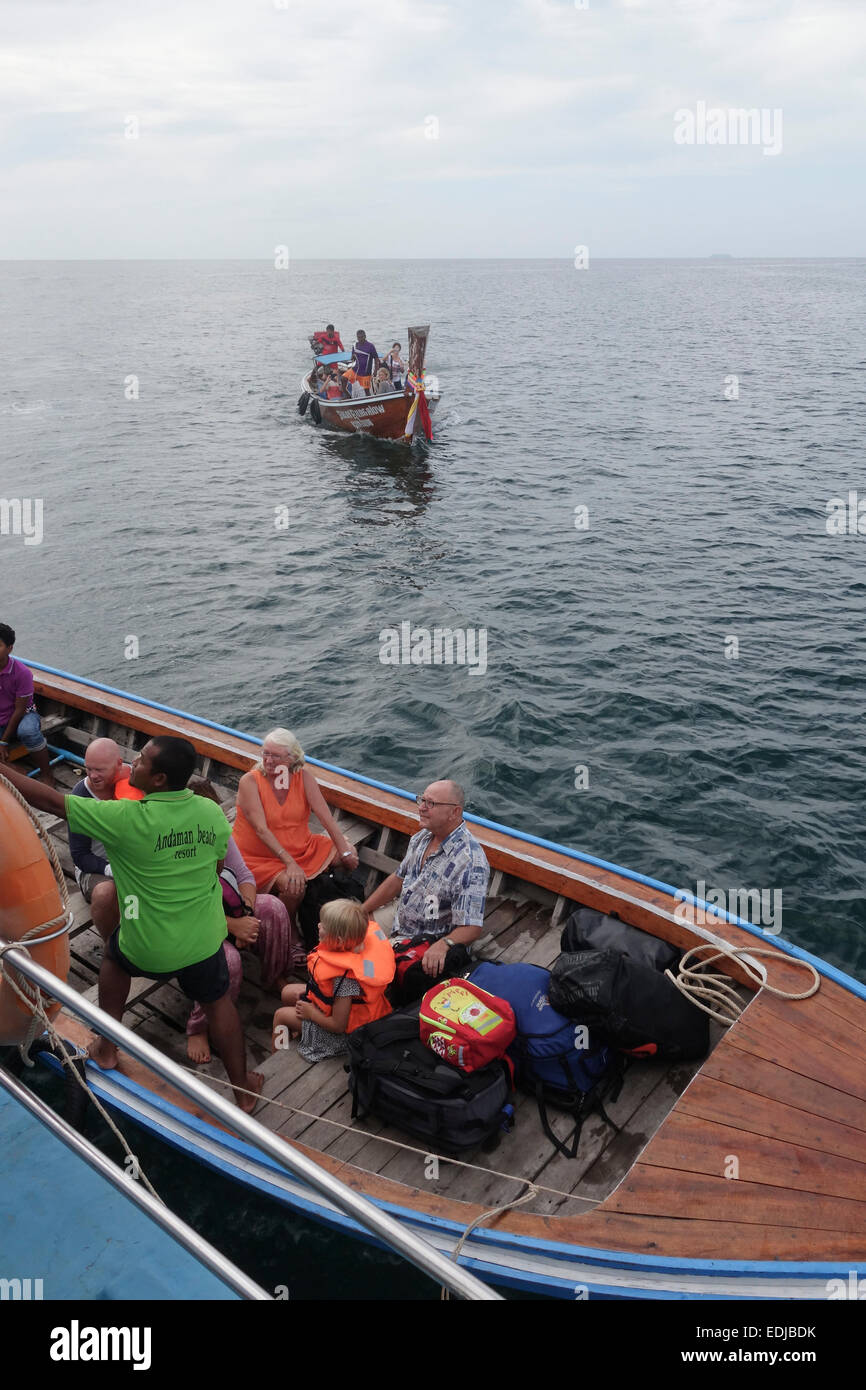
[
  {"x": 588, "y": 930},
  {"x": 394, "y": 1076},
  {"x": 630, "y": 1006},
  {"x": 327, "y": 886}
]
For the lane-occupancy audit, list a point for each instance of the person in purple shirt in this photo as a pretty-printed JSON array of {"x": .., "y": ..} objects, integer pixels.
[
  {"x": 19, "y": 721},
  {"x": 364, "y": 358}
]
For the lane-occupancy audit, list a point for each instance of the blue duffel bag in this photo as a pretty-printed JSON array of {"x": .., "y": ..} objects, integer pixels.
[{"x": 550, "y": 1059}]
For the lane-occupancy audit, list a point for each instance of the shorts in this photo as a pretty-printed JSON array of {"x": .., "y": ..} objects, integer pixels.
[
  {"x": 88, "y": 882},
  {"x": 352, "y": 376},
  {"x": 30, "y": 732},
  {"x": 204, "y": 982}
]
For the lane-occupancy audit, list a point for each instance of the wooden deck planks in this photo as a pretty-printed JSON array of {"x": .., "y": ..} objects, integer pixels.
[
  {"x": 709, "y": 1099},
  {"x": 656, "y": 1190},
  {"x": 754, "y": 1073},
  {"x": 692, "y": 1144},
  {"x": 804, "y": 1055}
]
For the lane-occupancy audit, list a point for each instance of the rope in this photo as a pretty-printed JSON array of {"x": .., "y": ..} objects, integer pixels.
[
  {"x": 531, "y": 1191},
  {"x": 723, "y": 1003}
]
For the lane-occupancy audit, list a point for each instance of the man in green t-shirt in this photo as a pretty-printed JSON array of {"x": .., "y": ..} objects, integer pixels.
[{"x": 166, "y": 852}]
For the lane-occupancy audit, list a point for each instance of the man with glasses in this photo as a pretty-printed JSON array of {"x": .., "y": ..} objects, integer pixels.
[{"x": 442, "y": 883}]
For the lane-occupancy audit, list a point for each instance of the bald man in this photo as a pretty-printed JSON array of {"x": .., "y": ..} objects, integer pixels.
[
  {"x": 442, "y": 882},
  {"x": 107, "y": 779}
]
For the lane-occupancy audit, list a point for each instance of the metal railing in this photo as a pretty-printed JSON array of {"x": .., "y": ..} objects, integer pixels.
[{"x": 385, "y": 1228}]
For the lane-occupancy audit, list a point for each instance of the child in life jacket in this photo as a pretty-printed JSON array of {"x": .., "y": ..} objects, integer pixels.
[{"x": 349, "y": 971}]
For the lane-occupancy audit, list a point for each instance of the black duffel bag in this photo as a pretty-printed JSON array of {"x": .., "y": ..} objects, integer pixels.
[
  {"x": 630, "y": 1006},
  {"x": 393, "y": 1075},
  {"x": 588, "y": 930},
  {"x": 326, "y": 887}
]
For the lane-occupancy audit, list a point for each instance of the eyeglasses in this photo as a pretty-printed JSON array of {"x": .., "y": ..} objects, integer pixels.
[{"x": 426, "y": 804}]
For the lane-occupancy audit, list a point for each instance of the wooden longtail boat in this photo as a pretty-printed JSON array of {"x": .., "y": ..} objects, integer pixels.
[
  {"x": 395, "y": 415},
  {"x": 656, "y": 1210}
]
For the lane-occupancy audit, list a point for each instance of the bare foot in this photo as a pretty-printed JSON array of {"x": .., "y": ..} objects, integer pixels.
[
  {"x": 255, "y": 1081},
  {"x": 198, "y": 1048},
  {"x": 103, "y": 1053}
]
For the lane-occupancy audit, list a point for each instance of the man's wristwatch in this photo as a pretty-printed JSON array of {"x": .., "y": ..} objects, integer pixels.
[{"x": 448, "y": 941}]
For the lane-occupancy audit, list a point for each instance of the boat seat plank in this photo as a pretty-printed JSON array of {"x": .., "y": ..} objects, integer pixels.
[
  {"x": 805, "y": 1055},
  {"x": 696, "y": 1145},
  {"x": 662, "y": 1191},
  {"x": 708, "y": 1098},
  {"x": 374, "y": 860},
  {"x": 766, "y": 1078},
  {"x": 52, "y": 725}
]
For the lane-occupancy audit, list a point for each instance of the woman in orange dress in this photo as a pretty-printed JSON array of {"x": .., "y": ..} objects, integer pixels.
[{"x": 272, "y": 829}]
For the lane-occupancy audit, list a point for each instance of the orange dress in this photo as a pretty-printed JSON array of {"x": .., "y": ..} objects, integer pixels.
[{"x": 290, "y": 824}]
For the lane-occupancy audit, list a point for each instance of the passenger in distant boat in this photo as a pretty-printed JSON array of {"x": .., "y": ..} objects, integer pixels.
[
  {"x": 365, "y": 359},
  {"x": 442, "y": 883},
  {"x": 382, "y": 382},
  {"x": 106, "y": 779},
  {"x": 19, "y": 721},
  {"x": 333, "y": 390},
  {"x": 165, "y": 853},
  {"x": 272, "y": 831},
  {"x": 350, "y": 970},
  {"x": 396, "y": 366},
  {"x": 255, "y": 921},
  {"x": 332, "y": 340},
  {"x": 325, "y": 343}
]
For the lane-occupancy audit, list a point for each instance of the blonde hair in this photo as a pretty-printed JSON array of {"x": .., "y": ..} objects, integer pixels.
[
  {"x": 285, "y": 739},
  {"x": 345, "y": 922}
]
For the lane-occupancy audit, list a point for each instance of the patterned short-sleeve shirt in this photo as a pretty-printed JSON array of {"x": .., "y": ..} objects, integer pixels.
[{"x": 449, "y": 890}]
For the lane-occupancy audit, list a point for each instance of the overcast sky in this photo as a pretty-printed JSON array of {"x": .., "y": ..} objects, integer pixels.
[{"x": 273, "y": 122}]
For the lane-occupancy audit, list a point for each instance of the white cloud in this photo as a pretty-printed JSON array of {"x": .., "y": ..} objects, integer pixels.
[{"x": 295, "y": 114}]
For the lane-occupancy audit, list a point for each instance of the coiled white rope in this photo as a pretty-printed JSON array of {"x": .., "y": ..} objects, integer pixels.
[{"x": 715, "y": 994}]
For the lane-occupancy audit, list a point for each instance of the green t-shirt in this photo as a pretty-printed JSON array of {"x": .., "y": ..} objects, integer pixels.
[{"x": 163, "y": 853}]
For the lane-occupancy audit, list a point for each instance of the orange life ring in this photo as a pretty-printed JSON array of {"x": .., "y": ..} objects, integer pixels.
[{"x": 29, "y": 896}]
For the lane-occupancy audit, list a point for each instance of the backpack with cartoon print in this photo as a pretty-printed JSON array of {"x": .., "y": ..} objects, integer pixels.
[{"x": 464, "y": 1025}]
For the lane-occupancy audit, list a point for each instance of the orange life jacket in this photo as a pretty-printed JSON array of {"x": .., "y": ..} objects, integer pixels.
[
  {"x": 373, "y": 968},
  {"x": 125, "y": 791}
]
